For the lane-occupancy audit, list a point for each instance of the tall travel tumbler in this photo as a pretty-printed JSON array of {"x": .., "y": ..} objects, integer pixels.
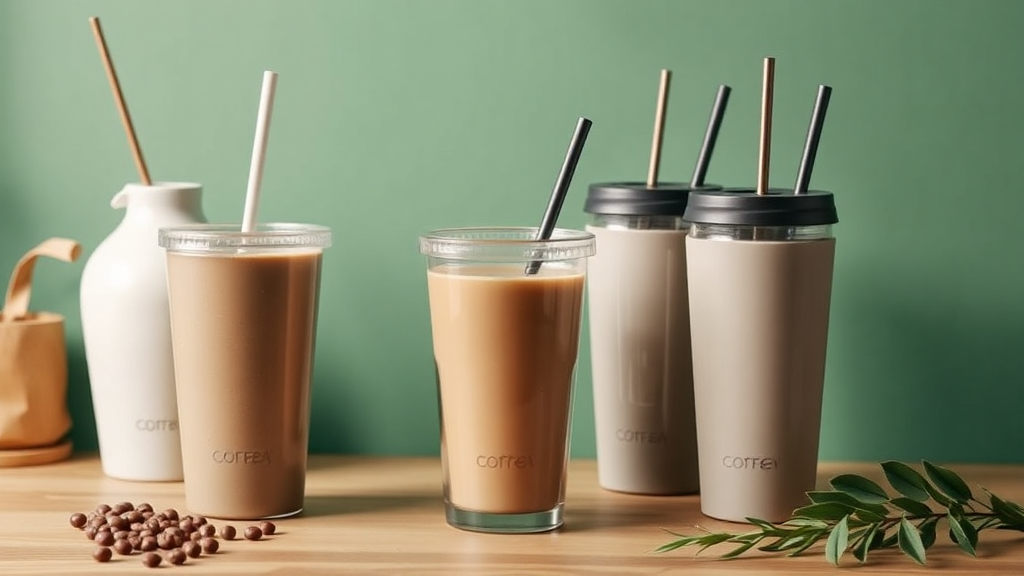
[{"x": 760, "y": 279}]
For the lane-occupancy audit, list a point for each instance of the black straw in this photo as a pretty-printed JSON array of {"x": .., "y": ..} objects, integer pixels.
[
  {"x": 572, "y": 158},
  {"x": 803, "y": 178},
  {"x": 711, "y": 136}
]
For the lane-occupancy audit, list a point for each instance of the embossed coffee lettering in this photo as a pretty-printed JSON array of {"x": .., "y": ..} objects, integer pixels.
[
  {"x": 156, "y": 425},
  {"x": 639, "y": 436},
  {"x": 241, "y": 456},
  {"x": 504, "y": 461},
  {"x": 750, "y": 462}
]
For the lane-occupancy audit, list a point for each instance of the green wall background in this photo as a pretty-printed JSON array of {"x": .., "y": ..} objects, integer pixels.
[{"x": 396, "y": 117}]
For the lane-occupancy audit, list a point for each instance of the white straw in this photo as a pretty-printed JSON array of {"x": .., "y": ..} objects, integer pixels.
[{"x": 259, "y": 151}]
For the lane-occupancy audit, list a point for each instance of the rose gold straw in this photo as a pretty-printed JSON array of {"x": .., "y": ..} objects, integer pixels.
[
  {"x": 122, "y": 107},
  {"x": 659, "y": 128},
  {"x": 764, "y": 155}
]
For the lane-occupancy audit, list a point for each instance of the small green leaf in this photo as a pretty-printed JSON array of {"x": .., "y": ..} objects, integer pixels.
[
  {"x": 860, "y": 488},
  {"x": 837, "y": 540},
  {"x": 869, "y": 517},
  {"x": 906, "y": 480},
  {"x": 910, "y": 541},
  {"x": 963, "y": 533},
  {"x": 914, "y": 507},
  {"x": 812, "y": 538},
  {"x": 872, "y": 536},
  {"x": 805, "y": 522},
  {"x": 678, "y": 543},
  {"x": 1008, "y": 514},
  {"x": 784, "y": 543},
  {"x": 739, "y": 549},
  {"x": 948, "y": 482},
  {"x": 766, "y": 527},
  {"x": 927, "y": 529},
  {"x": 710, "y": 540},
  {"x": 824, "y": 511},
  {"x": 844, "y": 498}
]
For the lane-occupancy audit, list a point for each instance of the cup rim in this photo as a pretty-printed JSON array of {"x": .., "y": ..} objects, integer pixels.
[
  {"x": 219, "y": 237},
  {"x": 506, "y": 244}
]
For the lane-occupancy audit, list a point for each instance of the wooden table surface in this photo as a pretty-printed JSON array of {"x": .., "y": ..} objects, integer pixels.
[{"x": 385, "y": 516}]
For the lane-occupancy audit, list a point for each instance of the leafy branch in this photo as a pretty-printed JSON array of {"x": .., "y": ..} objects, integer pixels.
[{"x": 859, "y": 516}]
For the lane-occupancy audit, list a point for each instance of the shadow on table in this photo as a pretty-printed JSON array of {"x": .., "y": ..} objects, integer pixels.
[
  {"x": 668, "y": 513},
  {"x": 361, "y": 504}
]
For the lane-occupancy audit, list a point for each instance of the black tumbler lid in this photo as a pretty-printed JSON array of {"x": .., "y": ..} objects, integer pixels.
[
  {"x": 635, "y": 198},
  {"x": 779, "y": 207}
]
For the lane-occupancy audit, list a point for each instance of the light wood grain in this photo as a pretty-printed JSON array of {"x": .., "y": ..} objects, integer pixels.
[{"x": 385, "y": 516}]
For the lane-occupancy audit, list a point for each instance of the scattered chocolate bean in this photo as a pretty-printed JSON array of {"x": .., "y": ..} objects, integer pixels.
[
  {"x": 146, "y": 532},
  {"x": 186, "y": 525},
  {"x": 207, "y": 530},
  {"x": 136, "y": 542},
  {"x": 102, "y": 554},
  {"x": 90, "y": 532},
  {"x": 268, "y": 528},
  {"x": 148, "y": 544},
  {"x": 102, "y": 509},
  {"x": 117, "y": 523},
  {"x": 176, "y": 557},
  {"x": 121, "y": 535},
  {"x": 133, "y": 517},
  {"x": 195, "y": 536},
  {"x": 171, "y": 514},
  {"x": 144, "y": 507},
  {"x": 151, "y": 559},
  {"x": 165, "y": 541},
  {"x": 78, "y": 520},
  {"x": 104, "y": 538},
  {"x": 253, "y": 533},
  {"x": 198, "y": 520},
  {"x": 98, "y": 521},
  {"x": 192, "y": 549},
  {"x": 136, "y": 526},
  {"x": 228, "y": 532},
  {"x": 123, "y": 547},
  {"x": 210, "y": 545}
]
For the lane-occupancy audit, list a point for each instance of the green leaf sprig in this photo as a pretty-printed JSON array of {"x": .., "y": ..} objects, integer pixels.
[{"x": 859, "y": 516}]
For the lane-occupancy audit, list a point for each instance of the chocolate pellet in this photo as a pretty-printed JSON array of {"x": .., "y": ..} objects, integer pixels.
[
  {"x": 136, "y": 542},
  {"x": 133, "y": 517},
  {"x": 104, "y": 539},
  {"x": 148, "y": 544},
  {"x": 102, "y": 509},
  {"x": 146, "y": 532},
  {"x": 102, "y": 554},
  {"x": 176, "y": 557},
  {"x": 151, "y": 559},
  {"x": 186, "y": 525},
  {"x": 210, "y": 545},
  {"x": 90, "y": 532},
  {"x": 192, "y": 549},
  {"x": 78, "y": 520},
  {"x": 195, "y": 536},
  {"x": 253, "y": 533},
  {"x": 121, "y": 534},
  {"x": 179, "y": 540},
  {"x": 198, "y": 520},
  {"x": 147, "y": 514},
  {"x": 144, "y": 507},
  {"x": 123, "y": 547},
  {"x": 207, "y": 530},
  {"x": 136, "y": 526},
  {"x": 117, "y": 523},
  {"x": 171, "y": 514},
  {"x": 174, "y": 531},
  {"x": 268, "y": 528},
  {"x": 228, "y": 532},
  {"x": 98, "y": 521},
  {"x": 165, "y": 541}
]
